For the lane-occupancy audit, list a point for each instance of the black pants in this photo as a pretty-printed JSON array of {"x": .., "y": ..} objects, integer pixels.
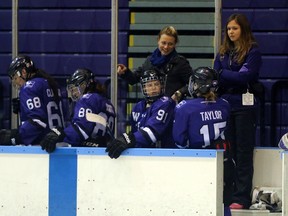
[{"x": 241, "y": 133}]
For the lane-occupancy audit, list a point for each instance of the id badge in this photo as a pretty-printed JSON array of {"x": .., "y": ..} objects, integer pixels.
[{"x": 247, "y": 99}]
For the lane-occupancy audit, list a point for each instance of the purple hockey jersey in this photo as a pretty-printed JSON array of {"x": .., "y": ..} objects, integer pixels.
[
  {"x": 198, "y": 122},
  {"x": 80, "y": 129},
  {"x": 39, "y": 111},
  {"x": 152, "y": 126}
]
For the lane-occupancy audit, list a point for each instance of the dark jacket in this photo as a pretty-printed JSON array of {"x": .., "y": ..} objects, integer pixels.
[{"x": 178, "y": 71}]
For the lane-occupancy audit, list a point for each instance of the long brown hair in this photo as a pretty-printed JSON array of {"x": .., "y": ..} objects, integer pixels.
[
  {"x": 51, "y": 81},
  {"x": 97, "y": 87},
  {"x": 210, "y": 96},
  {"x": 246, "y": 39}
]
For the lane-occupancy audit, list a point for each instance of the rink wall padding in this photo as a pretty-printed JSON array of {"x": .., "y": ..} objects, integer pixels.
[{"x": 85, "y": 181}]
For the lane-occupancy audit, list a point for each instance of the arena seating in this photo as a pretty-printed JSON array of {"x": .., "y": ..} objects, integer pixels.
[{"x": 61, "y": 36}]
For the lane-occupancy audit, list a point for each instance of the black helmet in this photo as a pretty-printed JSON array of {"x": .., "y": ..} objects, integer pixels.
[
  {"x": 21, "y": 62},
  {"x": 80, "y": 81},
  {"x": 151, "y": 75},
  {"x": 203, "y": 80}
]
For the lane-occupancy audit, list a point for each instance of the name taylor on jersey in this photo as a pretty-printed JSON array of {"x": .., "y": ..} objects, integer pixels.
[{"x": 211, "y": 115}]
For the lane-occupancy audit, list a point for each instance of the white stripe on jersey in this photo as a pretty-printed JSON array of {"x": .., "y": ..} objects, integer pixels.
[
  {"x": 39, "y": 122},
  {"x": 83, "y": 132},
  {"x": 150, "y": 134}
]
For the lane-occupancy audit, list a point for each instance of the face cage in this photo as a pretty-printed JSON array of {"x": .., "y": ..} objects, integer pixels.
[
  {"x": 75, "y": 88},
  {"x": 151, "y": 99},
  {"x": 190, "y": 87},
  {"x": 16, "y": 73}
]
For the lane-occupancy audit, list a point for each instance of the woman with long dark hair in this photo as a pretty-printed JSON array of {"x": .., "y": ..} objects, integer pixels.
[{"x": 239, "y": 61}]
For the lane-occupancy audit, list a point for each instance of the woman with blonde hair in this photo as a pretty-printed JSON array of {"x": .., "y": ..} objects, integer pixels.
[{"x": 165, "y": 59}]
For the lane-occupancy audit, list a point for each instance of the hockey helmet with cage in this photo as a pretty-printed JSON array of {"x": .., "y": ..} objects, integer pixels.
[
  {"x": 79, "y": 82},
  {"x": 202, "y": 81},
  {"x": 18, "y": 64},
  {"x": 149, "y": 91}
]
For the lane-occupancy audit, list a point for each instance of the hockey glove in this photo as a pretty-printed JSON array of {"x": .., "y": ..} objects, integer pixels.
[
  {"x": 177, "y": 96},
  {"x": 117, "y": 146},
  {"x": 283, "y": 143},
  {"x": 16, "y": 105},
  {"x": 9, "y": 137},
  {"x": 48, "y": 143},
  {"x": 223, "y": 144}
]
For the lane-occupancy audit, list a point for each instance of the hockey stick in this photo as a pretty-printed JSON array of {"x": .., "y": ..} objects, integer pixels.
[{"x": 92, "y": 117}]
